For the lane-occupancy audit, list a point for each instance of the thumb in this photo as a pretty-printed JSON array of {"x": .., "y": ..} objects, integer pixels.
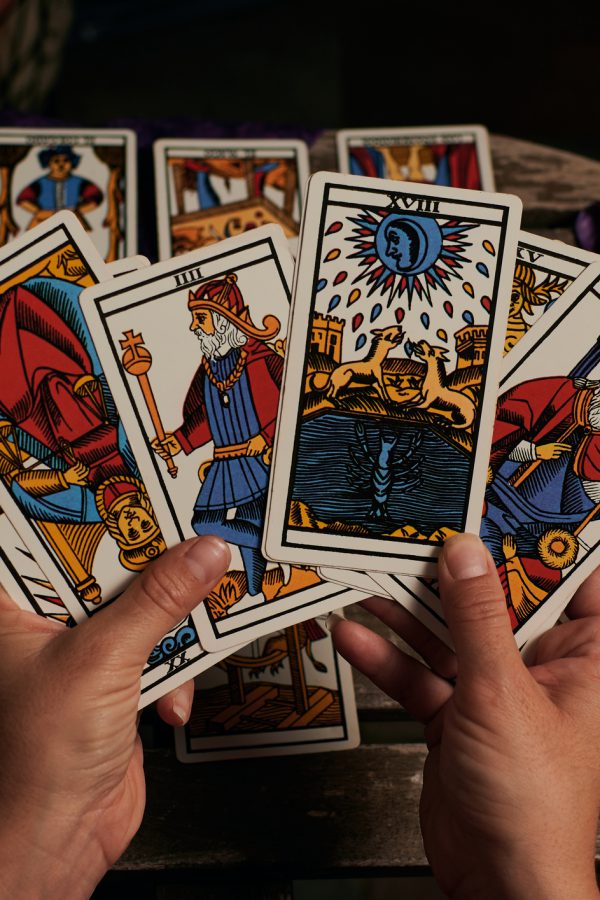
[
  {"x": 475, "y": 610},
  {"x": 160, "y": 597}
]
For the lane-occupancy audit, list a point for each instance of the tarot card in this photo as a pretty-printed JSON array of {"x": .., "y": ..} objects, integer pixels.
[
  {"x": 286, "y": 693},
  {"x": 208, "y": 190},
  {"x": 68, "y": 480},
  {"x": 89, "y": 171},
  {"x": 24, "y": 581},
  {"x": 202, "y": 429},
  {"x": 400, "y": 304},
  {"x": 362, "y": 581},
  {"x": 544, "y": 269},
  {"x": 127, "y": 264},
  {"x": 541, "y": 518},
  {"x": 452, "y": 156}
]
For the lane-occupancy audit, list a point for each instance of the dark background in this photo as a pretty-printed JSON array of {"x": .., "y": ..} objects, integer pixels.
[{"x": 529, "y": 70}]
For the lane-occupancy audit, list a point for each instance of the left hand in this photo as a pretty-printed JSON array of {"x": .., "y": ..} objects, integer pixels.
[
  {"x": 256, "y": 445},
  {"x": 72, "y": 790},
  {"x": 511, "y": 786}
]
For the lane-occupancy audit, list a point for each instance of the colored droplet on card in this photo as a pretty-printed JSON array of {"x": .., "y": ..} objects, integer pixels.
[
  {"x": 321, "y": 283},
  {"x": 334, "y": 302},
  {"x": 486, "y": 303},
  {"x": 424, "y": 320},
  {"x": 341, "y": 276},
  {"x": 468, "y": 317},
  {"x": 333, "y": 254},
  {"x": 376, "y": 312},
  {"x": 399, "y": 315},
  {"x": 357, "y": 321},
  {"x": 442, "y": 334},
  {"x": 353, "y": 297},
  {"x": 408, "y": 348},
  {"x": 489, "y": 248},
  {"x": 335, "y": 226},
  {"x": 468, "y": 288},
  {"x": 361, "y": 341},
  {"x": 448, "y": 308},
  {"x": 481, "y": 267}
]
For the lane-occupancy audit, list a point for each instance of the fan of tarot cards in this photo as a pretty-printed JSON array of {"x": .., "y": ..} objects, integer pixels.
[{"x": 422, "y": 368}]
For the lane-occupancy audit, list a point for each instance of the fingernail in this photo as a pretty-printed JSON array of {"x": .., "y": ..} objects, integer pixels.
[
  {"x": 331, "y": 621},
  {"x": 181, "y": 713},
  {"x": 465, "y": 557},
  {"x": 207, "y": 558}
]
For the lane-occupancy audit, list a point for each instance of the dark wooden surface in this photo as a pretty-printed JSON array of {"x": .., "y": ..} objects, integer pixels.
[{"x": 343, "y": 813}]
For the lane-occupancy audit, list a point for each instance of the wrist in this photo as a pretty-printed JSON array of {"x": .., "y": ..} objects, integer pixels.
[
  {"x": 47, "y": 857},
  {"x": 532, "y": 879}
]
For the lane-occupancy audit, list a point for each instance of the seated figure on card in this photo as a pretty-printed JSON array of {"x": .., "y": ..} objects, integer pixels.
[
  {"x": 63, "y": 451},
  {"x": 545, "y": 475},
  {"x": 59, "y": 188}
]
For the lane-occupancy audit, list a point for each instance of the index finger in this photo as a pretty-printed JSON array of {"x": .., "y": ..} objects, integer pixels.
[
  {"x": 586, "y": 601},
  {"x": 5, "y": 600}
]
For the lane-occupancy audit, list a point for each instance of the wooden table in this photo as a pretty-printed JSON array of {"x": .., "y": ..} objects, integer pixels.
[{"x": 245, "y": 829}]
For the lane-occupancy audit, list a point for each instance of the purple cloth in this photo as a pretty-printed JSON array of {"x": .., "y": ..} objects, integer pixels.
[{"x": 587, "y": 227}]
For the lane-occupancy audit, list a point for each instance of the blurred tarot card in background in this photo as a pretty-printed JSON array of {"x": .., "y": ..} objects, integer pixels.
[
  {"x": 92, "y": 172},
  {"x": 208, "y": 190},
  {"x": 451, "y": 156}
]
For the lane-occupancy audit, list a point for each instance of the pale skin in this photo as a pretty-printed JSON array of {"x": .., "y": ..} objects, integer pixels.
[
  {"x": 72, "y": 789},
  {"x": 511, "y": 785}
]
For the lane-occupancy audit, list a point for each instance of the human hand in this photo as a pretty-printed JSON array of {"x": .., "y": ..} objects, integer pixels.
[
  {"x": 72, "y": 790},
  {"x": 551, "y": 451},
  {"x": 167, "y": 448},
  {"x": 511, "y": 785},
  {"x": 77, "y": 474}
]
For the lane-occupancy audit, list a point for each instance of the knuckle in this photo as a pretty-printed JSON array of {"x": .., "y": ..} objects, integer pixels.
[
  {"x": 161, "y": 588},
  {"x": 479, "y": 601}
]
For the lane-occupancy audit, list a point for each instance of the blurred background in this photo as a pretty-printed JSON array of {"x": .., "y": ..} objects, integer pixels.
[{"x": 525, "y": 70}]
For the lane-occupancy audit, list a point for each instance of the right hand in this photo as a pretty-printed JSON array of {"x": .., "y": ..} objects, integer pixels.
[
  {"x": 551, "y": 451},
  {"x": 511, "y": 786},
  {"x": 77, "y": 474},
  {"x": 167, "y": 448}
]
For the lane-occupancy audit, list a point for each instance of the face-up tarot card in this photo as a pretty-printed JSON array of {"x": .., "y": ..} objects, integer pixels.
[
  {"x": 544, "y": 269},
  {"x": 91, "y": 172},
  {"x": 210, "y": 190},
  {"x": 127, "y": 264},
  {"x": 362, "y": 581},
  {"x": 193, "y": 350},
  {"x": 400, "y": 305},
  {"x": 455, "y": 156},
  {"x": 68, "y": 480},
  {"x": 24, "y": 581},
  {"x": 287, "y": 693},
  {"x": 541, "y": 518}
]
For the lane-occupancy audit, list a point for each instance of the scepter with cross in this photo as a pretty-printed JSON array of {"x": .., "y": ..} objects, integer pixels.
[{"x": 137, "y": 361}]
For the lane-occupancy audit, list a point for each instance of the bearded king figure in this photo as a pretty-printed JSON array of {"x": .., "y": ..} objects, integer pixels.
[{"x": 232, "y": 401}]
